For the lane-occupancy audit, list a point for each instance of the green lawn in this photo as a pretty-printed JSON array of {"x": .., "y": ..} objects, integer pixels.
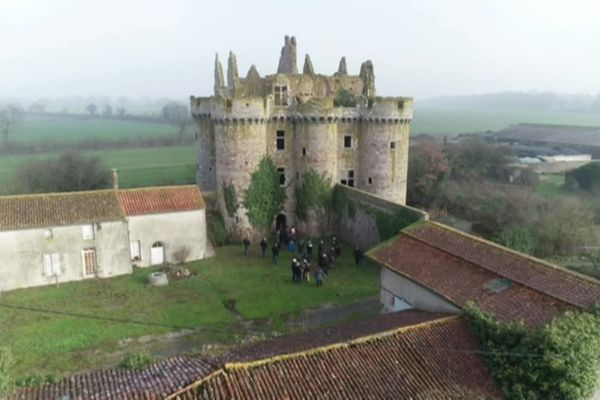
[
  {"x": 55, "y": 343},
  {"x": 552, "y": 186},
  {"x": 69, "y": 129},
  {"x": 137, "y": 167},
  {"x": 441, "y": 120}
]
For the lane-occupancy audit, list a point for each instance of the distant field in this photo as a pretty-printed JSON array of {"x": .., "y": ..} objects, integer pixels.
[
  {"x": 137, "y": 167},
  {"x": 69, "y": 129},
  {"x": 453, "y": 121}
]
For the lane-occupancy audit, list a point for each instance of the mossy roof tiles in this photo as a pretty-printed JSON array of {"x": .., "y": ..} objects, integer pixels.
[
  {"x": 432, "y": 360},
  {"x": 73, "y": 208},
  {"x": 459, "y": 267}
]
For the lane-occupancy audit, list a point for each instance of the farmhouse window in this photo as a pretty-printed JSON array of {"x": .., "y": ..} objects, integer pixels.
[
  {"x": 280, "y": 140},
  {"x": 89, "y": 261},
  {"x": 51, "y": 264},
  {"x": 134, "y": 249},
  {"x": 88, "y": 232}
]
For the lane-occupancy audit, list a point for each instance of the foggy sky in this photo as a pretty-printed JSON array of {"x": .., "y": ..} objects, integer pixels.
[{"x": 419, "y": 47}]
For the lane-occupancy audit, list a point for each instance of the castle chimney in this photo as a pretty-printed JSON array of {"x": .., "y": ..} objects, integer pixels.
[
  {"x": 219, "y": 78},
  {"x": 287, "y": 60},
  {"x": 115, "y": 178},
  {"x": 253, "y": 73},
  {"x": 342, "y": 70},
  {"x": 308, "y": 66},
  {"x": 368, "y": 77},
  {"x": 232, "y": 73}
]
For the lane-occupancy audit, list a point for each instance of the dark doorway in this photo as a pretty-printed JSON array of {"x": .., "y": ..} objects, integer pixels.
[{"x": 281, "y": 223}]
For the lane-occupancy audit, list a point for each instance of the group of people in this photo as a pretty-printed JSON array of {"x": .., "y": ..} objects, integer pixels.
[{"x": 302, "y": 264}]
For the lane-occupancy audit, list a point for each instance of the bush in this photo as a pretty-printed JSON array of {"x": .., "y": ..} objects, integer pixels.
[
  {"x": 519, "y": 239},
  {"x": 230, "y": 198},
  {"x": 217, "y": 233},
  {"x": 427, "y": 169},
  {"x": 6, "y": 364},
  {"x": 587, "y": 177},
  {"x": 137, "y": 360},
  {"x": 315, "y": 193},
  {"x": 71, "y": 171},
  {"x": 37, "y": 379},
  {"x": 264, "y": 197},
  {"x": 558, "y": 361}
]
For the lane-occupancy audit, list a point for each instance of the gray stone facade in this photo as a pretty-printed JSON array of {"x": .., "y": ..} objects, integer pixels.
[{"x": 335, "y": 125}]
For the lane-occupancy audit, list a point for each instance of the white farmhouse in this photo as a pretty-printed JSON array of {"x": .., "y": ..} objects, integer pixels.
[{"x": 61, "y": 237}]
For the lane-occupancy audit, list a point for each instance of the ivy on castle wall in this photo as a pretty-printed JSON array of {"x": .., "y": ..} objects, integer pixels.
[
  {"x": 560, "y": 360},
  {"x": 314, "y": 193},
  {"x": 230, "y": 198},
  {"x": 344, "y": 98},
  {"x": 265, "y": 197}
]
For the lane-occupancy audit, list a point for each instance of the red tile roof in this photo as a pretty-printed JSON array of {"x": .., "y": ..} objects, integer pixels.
[
  {"x": 160, "y": 199},
  {"x": 460, "y": 268},
  {"x": 432, "y": 360},
  {"x": 154, "y": 382}
]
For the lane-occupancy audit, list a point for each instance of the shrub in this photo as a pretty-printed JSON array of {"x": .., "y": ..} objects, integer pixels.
[
  {"x": 217, "y": 233},
  {"x": 230, "y": 198},
  {"x": 519, "y": 239},
  {"x": 560, "y": 360},
  {"x": 314, "y": 193},
  {"x": 6, "y": 364},
  {"x": 37, "y": 379},
  {"x": 137, "y": 360},
  {"x": 344, "y": 98},
  {"x": 587, "y": 177},
  {"x": 264, "y": 197},
  {"x": 182, "y": 254}
]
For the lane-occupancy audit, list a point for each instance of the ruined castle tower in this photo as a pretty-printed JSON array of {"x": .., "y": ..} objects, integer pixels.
[{"x": 334, "y": 125}]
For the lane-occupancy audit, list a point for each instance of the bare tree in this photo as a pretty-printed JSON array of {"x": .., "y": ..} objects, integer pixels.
[
  {"x": 178, "y": 115},
  {"x": 107, "y": 111},
  {"x": 120, "y": 112},
  {"x": 91, "y": 109},
  {"x": 11, "y": 116},
  {"x": 37, "y": 108}
]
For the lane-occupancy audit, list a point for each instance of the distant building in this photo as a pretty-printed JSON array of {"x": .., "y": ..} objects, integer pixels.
[
  {"x": 549, "y": 140},
  {"x": 432, "y": 267},
  {"x": 62, "y": 237},
  {"x": 332, "y": 124}
]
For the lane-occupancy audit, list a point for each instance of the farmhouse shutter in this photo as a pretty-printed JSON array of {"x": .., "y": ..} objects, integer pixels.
[
  {"x": 47, "y": 259},
  {"x": 88, "y": 232},
  {"x": 56, "y": 270}
]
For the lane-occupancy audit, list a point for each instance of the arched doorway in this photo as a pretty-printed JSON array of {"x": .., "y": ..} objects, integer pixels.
[
  {"x": 281, "y": 223},
  {"x": 157, "y": 253}
]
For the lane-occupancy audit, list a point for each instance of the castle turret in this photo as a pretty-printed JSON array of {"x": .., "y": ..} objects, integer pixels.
[
  {"x": 342, "y": 69},
  {"x": 232, "y": 74},
  {"x": 368, "y": 77},
  {"x": 219, "y": 78},
  {"x": 308, "y": 66},
  {"x": 287, "y": 60}
]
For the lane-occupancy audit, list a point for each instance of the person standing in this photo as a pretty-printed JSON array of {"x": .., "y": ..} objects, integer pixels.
[
  {"x": 246, "y": 244},
  {"x": 358, "y": 256},
  {"x": 319, "y": 276},
  {"x": 275, "y": 251},
  {"x": 263, "y": 247}
]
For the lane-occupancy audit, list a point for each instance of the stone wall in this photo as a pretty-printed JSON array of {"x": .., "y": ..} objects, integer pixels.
[{"x": 366, "y": 220}]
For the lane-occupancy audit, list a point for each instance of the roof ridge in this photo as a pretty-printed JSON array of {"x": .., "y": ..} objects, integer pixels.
[
  {"x": 340, "y": 345},
  {"x": 142, "y": 188},
  {"x": 516, "y": 253},
  {"x": 219, "y": 371},
  {"x": 56, "y": 194}
]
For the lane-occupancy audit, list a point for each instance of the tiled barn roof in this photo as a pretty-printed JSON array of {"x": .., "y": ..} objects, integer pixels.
[
  {"x": 154, "y": 382},
  {"x": 463, "y": 268},
  {"x": 546, "y": 133},
  {"x": 73, "y": 208},
  {"x": 161, "y": 199},
  {"x": 56, "y": 209},
  {"x": 432, "y": 360}
]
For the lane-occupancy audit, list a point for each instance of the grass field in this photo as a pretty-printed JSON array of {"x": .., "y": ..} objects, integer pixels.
[
  {"x": 137, "y": 167},
  {"x": 46, "y": 342},
  {"x": 453, "y": 121},
  {"x": 68, "y": 129}
]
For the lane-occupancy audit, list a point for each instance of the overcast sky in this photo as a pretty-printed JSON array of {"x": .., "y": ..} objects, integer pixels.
[{"x": 419, "y": 47}]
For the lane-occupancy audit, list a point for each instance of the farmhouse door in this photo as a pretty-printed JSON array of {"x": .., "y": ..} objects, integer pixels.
[{"x": 157, "y": 253}]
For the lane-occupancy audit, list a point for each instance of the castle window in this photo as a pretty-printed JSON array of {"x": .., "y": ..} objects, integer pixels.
[
  {"x": 349, "y": 180},
  {"x": 280, "y": 140},
  {"x": 281, "y": 95},
  {"x": 297, "y": 175},
  {"x": 281, "y": 172},
  {"x": 304, "y": 151},
  {"x": 347, "y": 142},
  {"x": 392, "y": 145},
  {"x": 370, "y": 180}
]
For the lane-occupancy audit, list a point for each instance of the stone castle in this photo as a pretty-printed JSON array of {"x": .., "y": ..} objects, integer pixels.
[{"x": 335, "y": 125}]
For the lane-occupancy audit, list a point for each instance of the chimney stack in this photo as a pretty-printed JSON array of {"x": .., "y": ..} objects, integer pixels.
[{"x": 115, "y": 177}]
